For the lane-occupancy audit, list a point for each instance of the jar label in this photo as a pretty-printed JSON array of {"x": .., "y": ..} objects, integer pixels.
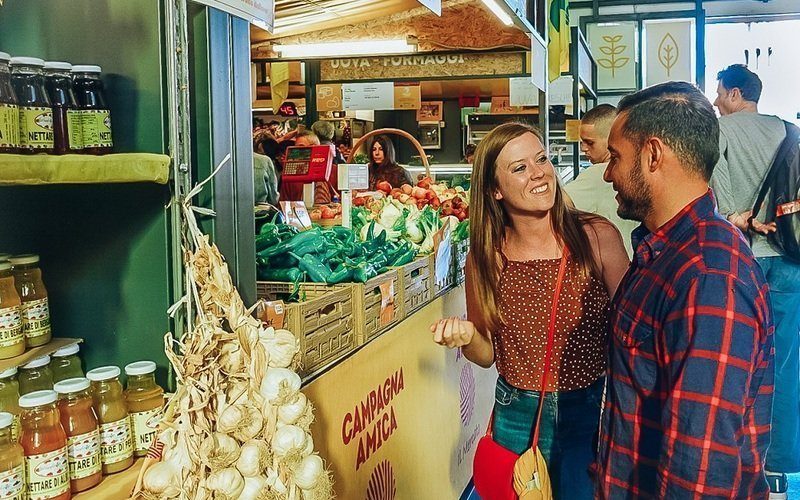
[
  {"x": 12, "y": 483},
  {"x": 84, "y": 454},
  {"x": 145, "y": 427},
  {"x": 16, "y": 427},
  {"x": 11, "y": 326},
  {"x": 36, "y": 127},
  {"x": 75, "y": 129},
  {"x": 96, "y": 127},
  {"x": 36, "y": 318},
  {"x": 116, "y": 441},
  {"x": 9, "y": 126},
  {"x": 48, "y": 474}
]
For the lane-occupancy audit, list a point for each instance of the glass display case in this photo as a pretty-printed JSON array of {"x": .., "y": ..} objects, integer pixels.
[{"x": 454, "y": 174}]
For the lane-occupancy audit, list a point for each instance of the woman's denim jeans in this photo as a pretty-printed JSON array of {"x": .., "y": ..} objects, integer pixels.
[{"x": 567, "y": 437}]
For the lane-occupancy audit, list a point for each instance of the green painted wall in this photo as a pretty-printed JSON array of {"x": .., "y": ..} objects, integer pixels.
[{"x": 103, "y": 247}]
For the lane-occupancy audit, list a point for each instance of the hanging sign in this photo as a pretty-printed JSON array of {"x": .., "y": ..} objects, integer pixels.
[
  {"x": 538, "y": 62},
  {"x": 522, "y": 92},
  {"x": 259, "y": 12},
  {"x": 668, "y": 49},
  {"x": 614, "y": 48},
  {"x": 434, "y": 5},
  {"x": 407, "y": 96},
  {"x": 560, "y": 91},
  {"x": 366, "y": 96}
]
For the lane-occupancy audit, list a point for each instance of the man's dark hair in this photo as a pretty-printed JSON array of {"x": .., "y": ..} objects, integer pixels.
[
  {"x": 681, "y": 116},
  {"x": 599, "y": 113},
  {"x": 737, "y": 76},
  {"x": 274, "y": 122}
]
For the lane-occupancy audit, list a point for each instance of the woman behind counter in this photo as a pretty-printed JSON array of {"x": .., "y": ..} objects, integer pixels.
[{"x": 382, "y": 165}]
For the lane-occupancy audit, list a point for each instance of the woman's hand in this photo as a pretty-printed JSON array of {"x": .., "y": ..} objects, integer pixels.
[{"x": 453, "y": 332}]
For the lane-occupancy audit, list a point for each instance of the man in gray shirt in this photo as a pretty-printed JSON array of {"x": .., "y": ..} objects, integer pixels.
[{"x": 749, "y": 142}]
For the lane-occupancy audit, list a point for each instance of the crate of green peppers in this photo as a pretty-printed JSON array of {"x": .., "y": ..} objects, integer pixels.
[{"x": 416, "y": 282}]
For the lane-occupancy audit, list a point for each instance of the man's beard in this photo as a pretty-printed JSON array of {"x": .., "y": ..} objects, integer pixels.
[{"x": 635, "y": 197}]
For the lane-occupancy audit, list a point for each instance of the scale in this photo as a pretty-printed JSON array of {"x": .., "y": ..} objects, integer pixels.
[
  {"x": 307, "y": 164},
  {"x": 351, "y": 177}
]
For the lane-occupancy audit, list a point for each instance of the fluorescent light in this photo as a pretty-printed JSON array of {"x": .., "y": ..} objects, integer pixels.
[
  {"x": 499, "y": 12},
  {"x": 355, "y": 47}
]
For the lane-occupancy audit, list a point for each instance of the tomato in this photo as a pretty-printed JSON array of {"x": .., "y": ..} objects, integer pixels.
[
  {"x": 406, "y": 188},
  {"x": 425, "y": 182},
  {"x": 418, "y": 193},
  {"x": 385, "y": 187},
  {"x": 315, "y": 214},
  {"x": 328, "y": 213}
]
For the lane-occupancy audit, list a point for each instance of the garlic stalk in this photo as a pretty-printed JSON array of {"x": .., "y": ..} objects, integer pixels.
[
  {"x": 254, "y": 458},
  {"x": 227, "y": 484}
]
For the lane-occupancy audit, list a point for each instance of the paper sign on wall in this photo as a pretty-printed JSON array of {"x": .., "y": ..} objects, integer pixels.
[
  {"x": 377, "y": 95},
  {"x": 407, "y": 96},
  {"x": 614, "y": 48},
  {"x": 522, "y": 92},
  {"x": 538, "y": 63},
  {"x": 560, "y": 91},
  {"x": 573, "y": 130},
  {"x": 259, "y": 12},
  {"x": 669, "y": 51},
  {"x": 329, "y": 97}
]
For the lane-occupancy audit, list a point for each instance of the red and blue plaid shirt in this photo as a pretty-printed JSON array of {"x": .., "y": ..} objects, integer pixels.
[{"x": 689, "y": 396}]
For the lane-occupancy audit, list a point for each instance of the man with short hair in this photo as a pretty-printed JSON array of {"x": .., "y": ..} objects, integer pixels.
[
  {"x": 589, "y": 191},
  {"x": 749, "y": 142},
  {"x": 689, "y": 394},
  {"x": 325, "y": 191}
]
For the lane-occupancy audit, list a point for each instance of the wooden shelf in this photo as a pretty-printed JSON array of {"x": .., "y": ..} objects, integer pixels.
[
  {"x": 37, "y": 352},
  {"x": 116, "y": 486},
  {"x": 33, "y": 170}
]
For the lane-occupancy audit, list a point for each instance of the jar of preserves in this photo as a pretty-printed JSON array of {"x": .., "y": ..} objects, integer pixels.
[
  {"x": 66, "y": 363},
  {"x": 35, "y": 305},
  {"x": 35, "y": 376},
  {"x": 83, "y": 433},
  {"x": 67, "y": 136},
  {"x": 12, "y": 461},
  {"x": 9, "y": 111},
  {"x": 116, "y": 440},
  {"x": 95, "y": 113},
  {"x": 12, "y": 339},
  {"x": 145, "y": 401},
  {"x": 35, "y": 114},
  {"x": 45, "y": 444},
  {"x": 9, "y": 399}
]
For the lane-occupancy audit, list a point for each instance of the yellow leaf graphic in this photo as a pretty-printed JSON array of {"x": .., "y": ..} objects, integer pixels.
[
  {"x": 608, "y": 39},
  {"x": 616, "y": 38},
  {"x": 668, "y": 53},
  {"x": 606, "y": 50}
]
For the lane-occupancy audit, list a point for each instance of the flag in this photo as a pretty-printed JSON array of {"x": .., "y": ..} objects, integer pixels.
[
  {"x": 279, "y": 83},
  {"x": 558, "y": 45}
]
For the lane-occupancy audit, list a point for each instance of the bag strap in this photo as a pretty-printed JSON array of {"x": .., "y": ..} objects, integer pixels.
[
  {"x": 551, "y": 327},
  {"x": 791, "y": 135}
]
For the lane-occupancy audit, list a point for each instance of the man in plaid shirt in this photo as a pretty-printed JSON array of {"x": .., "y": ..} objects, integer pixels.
[{"x": 689, "y": 396}]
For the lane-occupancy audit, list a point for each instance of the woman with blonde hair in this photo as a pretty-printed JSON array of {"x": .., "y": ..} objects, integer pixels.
[{"x": 525, "y": 231}]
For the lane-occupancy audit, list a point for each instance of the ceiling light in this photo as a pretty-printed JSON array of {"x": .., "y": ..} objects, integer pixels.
[
  {"x": 499, "y": 12},
  {"x": 355, "y": 47}
]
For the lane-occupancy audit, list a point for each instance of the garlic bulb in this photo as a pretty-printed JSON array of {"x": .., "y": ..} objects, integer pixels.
[
  {"x": 161, "y": 479},
  {"x": 226, "y": 483},
  {"x": 308, "y": 472},
  {"x": 219, "y": 451},
  {"x": 309, "y": 448},
  {"x": 231, "y": 358},
  {"x": 243, "y": 421},
  {"x": 287, "y": 440},
  {"x": 254, "y": 488},
  {"x": 254, "y": 458},
  {"x": 279, "y": 384},
  {"x": 290, "y": 412},
  {"x": 281, "y": 345}
]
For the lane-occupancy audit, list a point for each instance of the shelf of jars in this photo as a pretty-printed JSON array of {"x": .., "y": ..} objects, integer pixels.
[
  {"x": 37, "y": 352},
  {"x": 43, "y": 169}
]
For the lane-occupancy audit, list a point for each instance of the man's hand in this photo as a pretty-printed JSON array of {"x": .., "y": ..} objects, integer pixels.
[
  {"x": 745, "y": 223},
  {"x": 453, "y": 332}
]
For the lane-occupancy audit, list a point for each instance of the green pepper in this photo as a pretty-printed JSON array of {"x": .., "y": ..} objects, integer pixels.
[
  {"x": 279, "y": 274},
  {"x": 341, "y": 274},
  {"x": 269, "y": 228},
  {"x": 282, "y": 260},
  {"x": 314, "y": 268},
  {"x": 404, "y": 258},
  {"x": 343, "y": 232},
  {"x": 300, "y": 244},
  {"x": 266, "y": 240}
]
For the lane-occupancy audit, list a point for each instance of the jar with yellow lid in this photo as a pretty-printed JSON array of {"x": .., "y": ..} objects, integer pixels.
[
  {"x": 45, "y": 444},
  {"x": 9, "y": 399},
  {"x": 33, "y": 294},
  {"x": 145, "y": 402},
  {"x": 35, "y": 376},
  {"x": 116, "y": 439},
  {"x": 83, "y": 433},
  {"x": 12, "y": 461},
  {"x": 66, "y": 364},
  {"x": 12, "y": 338}
]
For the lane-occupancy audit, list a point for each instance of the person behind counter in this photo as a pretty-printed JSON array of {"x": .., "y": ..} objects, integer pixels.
[
  {"x": 382, "y": 165},
  {"x": 528, "y": 238},
  {"x": 325, "y": 191}
]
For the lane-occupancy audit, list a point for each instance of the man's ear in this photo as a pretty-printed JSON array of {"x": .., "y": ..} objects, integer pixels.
[
  {"x": 654, "y": 150},
  {"x": 735, "y": 94}
]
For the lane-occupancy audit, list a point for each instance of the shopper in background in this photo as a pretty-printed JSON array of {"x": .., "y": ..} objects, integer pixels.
[
  {"x": 469, "y": 153},
  {"x": 265, "y": 176},
  {"x": 511, "y": 277},
  {"x": 325, "y": 191},
  {"x": 589, "y": 191},
  {"x": 748, "y": 144},
  {"x": 690, "y": 388},
  {"x": 294, "y": 191},
  {"x": 382, "y": 165}
]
